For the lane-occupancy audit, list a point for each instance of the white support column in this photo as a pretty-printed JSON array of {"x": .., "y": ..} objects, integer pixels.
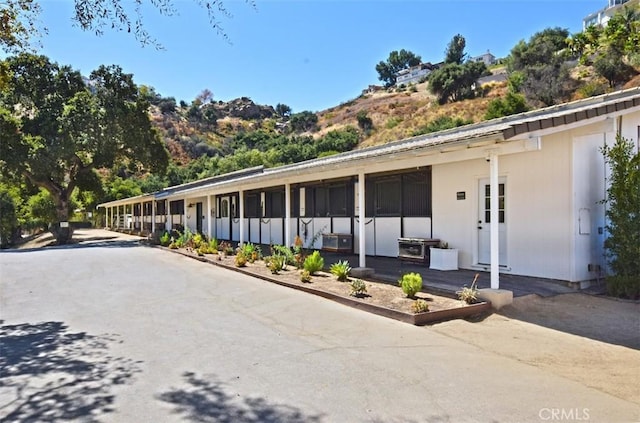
[
  {"x": 241, "y": 218},
  {"x": 495, "y": 240},
  {"x": 362, "y": 245},
  {"x": 167, "y": 218},
  {"x": 141, "y": 216},
  {"x": 287, "y": 214},
  {"x": 185, "y": 206},
  {"x": 108, "y": 213},
  {"x": 209, "y": 216},
  {"x": 153, "y": 217},
  {"x": 117, "y": 217}
]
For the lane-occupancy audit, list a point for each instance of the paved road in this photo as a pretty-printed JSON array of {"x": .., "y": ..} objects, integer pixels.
[{"x": 117, "y": 332}]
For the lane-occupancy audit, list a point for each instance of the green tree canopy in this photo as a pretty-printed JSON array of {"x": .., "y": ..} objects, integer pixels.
[
  {"x": 541, "y": 62},
  {"x": 454, "y": 82},
  {"x": 397, "y": 61},
  {"x": 56, "y": 130},
  {"x": 304, "y": 121},
  {"x": 543, "y": 47},
  {"x": 283, "y": 110},
  {"x": 455, "y": 50},
  {"x": 19, "y": 19}
]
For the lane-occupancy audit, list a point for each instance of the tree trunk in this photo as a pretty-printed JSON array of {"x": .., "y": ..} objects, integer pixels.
[{"x": 61, "y": 229}]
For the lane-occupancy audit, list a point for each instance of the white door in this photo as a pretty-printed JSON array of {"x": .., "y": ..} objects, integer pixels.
[
  {"x": 224, "y": 222},
  {"x": 484, "y": 221}
]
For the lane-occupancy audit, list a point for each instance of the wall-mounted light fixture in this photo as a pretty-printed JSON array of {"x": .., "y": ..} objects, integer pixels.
[{"x": 190, "y": 205}]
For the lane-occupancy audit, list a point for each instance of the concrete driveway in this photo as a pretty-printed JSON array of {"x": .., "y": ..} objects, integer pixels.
[{"x": 114, "y": 331}]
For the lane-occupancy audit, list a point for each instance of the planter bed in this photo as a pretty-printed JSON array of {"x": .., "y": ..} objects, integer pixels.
[{"x": 382, "y": 298}]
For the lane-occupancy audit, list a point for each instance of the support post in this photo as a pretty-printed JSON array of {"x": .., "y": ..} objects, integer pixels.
[
  {"x": 168, "y": 223},
  {"x": 241, "y": 218},
  {"x": 494, "y": 232},
  {"x": 184, "y": 214},
  {"x": 141, "y": 216},
  {"x": 153, "y": 217},
  {"x": 361, "y": 221},
  {"x": 209, "y": 216},
  {"x": 117, "y": 217},
  {"x": 287, "y": 214}
]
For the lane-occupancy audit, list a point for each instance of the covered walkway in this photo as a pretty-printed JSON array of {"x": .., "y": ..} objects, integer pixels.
[{"x": 390, "y": 269}]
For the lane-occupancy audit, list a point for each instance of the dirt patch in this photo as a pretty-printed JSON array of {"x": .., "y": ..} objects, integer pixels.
[{"x": 585, "y": 338}]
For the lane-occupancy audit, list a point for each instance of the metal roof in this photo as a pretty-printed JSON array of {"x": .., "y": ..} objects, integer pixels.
[{"x": 500, "y": 129}]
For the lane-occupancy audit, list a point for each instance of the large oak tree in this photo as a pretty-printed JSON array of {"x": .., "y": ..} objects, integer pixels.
[{"x": 57, "y": 128}]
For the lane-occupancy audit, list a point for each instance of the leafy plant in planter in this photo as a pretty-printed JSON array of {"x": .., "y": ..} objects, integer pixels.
[
  {"x": 469, "y": 294},
  {"x": 197, "y": 240},
  {"x": 314, "y": 263},
  {"x": 250, "y": 251},
  {"x": 305, "y": 276},
  {"x": 411, "y": 283},
  {"x": 285, "y": 252},
  {"x": 165, "y": 239},
  {"x": 420, "y": 306},
  {"x": 226, "y": 248},
  {"x": 241, "y": 259},
  {"x": 341, "y": 270},
  {"x": 213, "y": 245},
  {"x": 298, "y": 252},
  {"x": 276, "y": 264},
  {"x": 358, "y": 288}
]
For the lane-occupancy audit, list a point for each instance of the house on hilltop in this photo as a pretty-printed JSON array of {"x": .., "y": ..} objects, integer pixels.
[
  {"x": 414, "y": 74},
  {"x": 517, "y": 195},
  {"x": 487, "y": 58},
  {"x": 602, "y": 16}
]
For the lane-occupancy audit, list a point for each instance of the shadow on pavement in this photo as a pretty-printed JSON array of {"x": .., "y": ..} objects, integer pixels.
[
  {"x": 205, "y": 400},
  {"x": 92, "y": 242},
  {"x": 50, "y": 374}
]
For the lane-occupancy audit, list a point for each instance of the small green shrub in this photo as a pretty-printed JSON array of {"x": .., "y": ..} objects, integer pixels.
[
  {"x": 341, "y": 270},
  {"x": 411, "y": 283},
  {"x": 213, "y": 245},
  {"x": 250, "y": 251},
  {"x": 305, "y": 276},
  {"x": 226, "y": 248},
  {"x": 198, "y": 240},
  {"x": 165, "y": 239},
  {"x": 624, "y": 286},
  {"x": 469, "y": 294},
  {"x": 314, "y": 263},
  {"x": 392, "y": 122},
  {"x": 186, "y": 238},
  {"x": 276, "y": 264},
  {"x": 420, "y": 306},
  {"x": 241, "y": 259},
  {"x": 358, "y": 287},
  {"x": 285, "y": 252}
]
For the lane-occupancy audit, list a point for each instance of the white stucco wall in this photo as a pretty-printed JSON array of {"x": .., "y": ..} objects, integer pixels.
[
  {"x": 553, "y": 219},
  {"x": 541, "y": 208}
]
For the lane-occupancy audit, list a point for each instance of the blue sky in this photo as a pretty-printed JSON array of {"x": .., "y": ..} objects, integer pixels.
[{"x": 308, "y": 54}]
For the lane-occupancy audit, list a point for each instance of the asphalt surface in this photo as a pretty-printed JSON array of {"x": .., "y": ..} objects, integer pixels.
[{"x": 114, "y": 331}]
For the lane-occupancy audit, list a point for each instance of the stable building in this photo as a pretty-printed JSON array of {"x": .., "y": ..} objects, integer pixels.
[{"x": 520, "y": 194}]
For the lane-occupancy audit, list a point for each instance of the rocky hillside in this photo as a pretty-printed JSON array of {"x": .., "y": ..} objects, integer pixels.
[{"x": 191, "y": 131}]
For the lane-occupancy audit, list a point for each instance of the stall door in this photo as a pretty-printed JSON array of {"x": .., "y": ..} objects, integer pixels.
[
  {"x": 224, "y": 222},
  {"x": 484, "y": 222}
]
